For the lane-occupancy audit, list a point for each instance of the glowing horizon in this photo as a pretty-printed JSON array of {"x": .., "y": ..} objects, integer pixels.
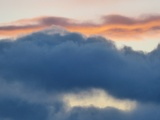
[{"x": 139, "y": 33}]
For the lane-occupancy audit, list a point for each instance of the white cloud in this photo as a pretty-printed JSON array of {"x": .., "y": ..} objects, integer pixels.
[{"x": 97, "y": 98}]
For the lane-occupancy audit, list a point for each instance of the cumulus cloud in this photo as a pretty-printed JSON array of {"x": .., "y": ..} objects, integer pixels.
[
  {"x": 116, "y": 27},
  {"x": 37, "y": 70},
  {"x": 69, "y": 61}
]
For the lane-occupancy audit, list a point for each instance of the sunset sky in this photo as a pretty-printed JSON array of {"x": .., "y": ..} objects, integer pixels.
[
  {"x": 79, "y": 60},
  {"x": 133, "y": 23}
]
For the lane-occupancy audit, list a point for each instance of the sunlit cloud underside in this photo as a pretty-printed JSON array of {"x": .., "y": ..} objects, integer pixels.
[{"x": 97, "y": 98}]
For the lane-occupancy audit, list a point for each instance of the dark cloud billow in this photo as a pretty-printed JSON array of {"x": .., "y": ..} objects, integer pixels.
[
  {"x": 56, "y": 62},
  {"x": 16, "y": 109},
  {"x": 36, "y": 67},
  {"x": 91, "y": 113}
]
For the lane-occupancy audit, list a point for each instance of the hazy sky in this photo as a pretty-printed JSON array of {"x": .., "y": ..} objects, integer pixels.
[
  {"x": 84, "y": 11},
  {"x": 78, "y": 9}
]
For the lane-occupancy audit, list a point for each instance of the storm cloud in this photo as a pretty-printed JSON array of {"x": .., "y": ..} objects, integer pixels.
[
  {"x": 37, "y": 69},
  {"x": 16, "y": 109},
  {"x": 72, "y": 61}
]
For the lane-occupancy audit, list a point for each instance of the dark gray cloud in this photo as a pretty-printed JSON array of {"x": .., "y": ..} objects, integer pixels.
[
  {"x": 16, "y": 109},
  {"x": 142, "y": 112},
  {"x": 68, "y": 61},
  {"x": 37, "y": 67}
]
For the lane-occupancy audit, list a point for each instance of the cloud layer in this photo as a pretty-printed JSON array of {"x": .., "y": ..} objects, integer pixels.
[
  {"x": 38, "y": 68},
  {"x": 64, "y": 62},
  {"x": 116, "y": 27}
]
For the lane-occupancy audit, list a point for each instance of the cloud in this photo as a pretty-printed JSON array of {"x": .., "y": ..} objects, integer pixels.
[
  {"x": 103, "y": 100},
  {"x": 68, "y": 61},
  {"x": 143, "y": 112},
  {"x": 15, "y": 109},
  {"x": 26, "y": 26},
  {"x": 39, "y": 70},
  {"x": 116, "y": 27}
]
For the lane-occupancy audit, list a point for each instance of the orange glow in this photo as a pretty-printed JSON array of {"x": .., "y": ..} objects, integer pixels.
[
  {"x": 15, "y": 33},
  {"x": 129, "y": 29},
  {"x": 121, "y": 31}
]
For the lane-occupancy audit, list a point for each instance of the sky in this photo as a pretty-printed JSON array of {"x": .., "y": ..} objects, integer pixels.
[
  {"x": 79, "y": 60},
  {"x": 136, "y": 21}
]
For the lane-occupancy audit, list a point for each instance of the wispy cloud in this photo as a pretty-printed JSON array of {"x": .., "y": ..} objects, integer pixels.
[
  {"x": 114, "y": 27},
  {"x": 26, "y": 26}
]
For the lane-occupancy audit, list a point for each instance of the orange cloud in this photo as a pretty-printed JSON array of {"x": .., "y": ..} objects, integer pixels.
[
  {"x": 121, "y": 27},
  {"x": 114, "y": 27}
]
